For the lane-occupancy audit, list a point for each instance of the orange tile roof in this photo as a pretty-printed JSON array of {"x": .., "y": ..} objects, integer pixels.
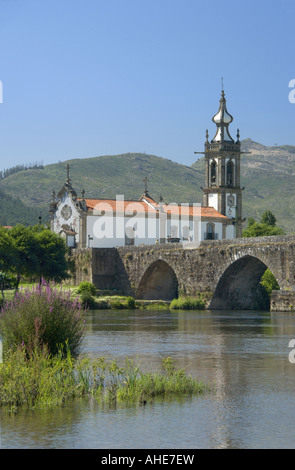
[{"x": 112, "y": 205}]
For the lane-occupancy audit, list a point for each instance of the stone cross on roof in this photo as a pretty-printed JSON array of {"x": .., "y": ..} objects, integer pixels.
[
  {"x": 68, "y": 173},
  {"x": 145, "y": 180}
]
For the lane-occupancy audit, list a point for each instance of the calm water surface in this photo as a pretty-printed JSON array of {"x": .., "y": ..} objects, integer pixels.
[{"x": 243, "y": 354}]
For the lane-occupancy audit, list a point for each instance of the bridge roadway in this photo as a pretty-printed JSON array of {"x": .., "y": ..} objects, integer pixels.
[{"x": 227, "y": 271}]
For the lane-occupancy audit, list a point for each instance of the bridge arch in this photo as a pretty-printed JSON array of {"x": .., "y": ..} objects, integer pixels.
[
  {"x": 159, "y": 282},
  {"x": 239, "y": 286}
]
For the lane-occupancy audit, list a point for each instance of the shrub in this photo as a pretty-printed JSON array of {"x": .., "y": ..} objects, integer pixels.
[
  {"x": 87, "y": 300},
  {"x": 86, "y": 286},
  {"x": 188, "y": 303},
  {"x": 129, "y": 303},
  {"x": 120, "y": 302},
  {"x": 269, "y": 282},
  {"x": 42, "y": 316}
]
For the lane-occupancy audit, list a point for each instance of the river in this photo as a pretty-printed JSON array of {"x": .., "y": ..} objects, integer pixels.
[{"x": 243, "y": 355}]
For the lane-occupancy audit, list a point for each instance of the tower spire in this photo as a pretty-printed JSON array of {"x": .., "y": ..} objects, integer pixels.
[
  {"x": 222, "y": 120},
  {"x": 222, "y": 188}
]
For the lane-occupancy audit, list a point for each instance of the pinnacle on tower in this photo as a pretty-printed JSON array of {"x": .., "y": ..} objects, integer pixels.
[{"x": 222, "y": 120}]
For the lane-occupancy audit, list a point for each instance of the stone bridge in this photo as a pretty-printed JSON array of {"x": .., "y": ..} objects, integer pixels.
[{"x": 228, "y": 272}]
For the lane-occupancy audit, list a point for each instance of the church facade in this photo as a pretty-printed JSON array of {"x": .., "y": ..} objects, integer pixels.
[{"x": 105, "y": 223}]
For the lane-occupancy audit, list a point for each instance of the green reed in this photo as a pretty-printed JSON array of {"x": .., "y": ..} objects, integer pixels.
[{"x": 41, "y": 380}]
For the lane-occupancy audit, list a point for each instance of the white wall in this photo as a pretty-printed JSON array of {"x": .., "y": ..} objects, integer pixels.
[
  {"x": 107, "y": 231},
  {"x": 230, "y": 232},
  {"x": 213, "y": 200}
]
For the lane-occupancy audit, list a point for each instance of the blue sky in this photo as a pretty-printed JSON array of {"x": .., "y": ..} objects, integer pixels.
[{"x": 103, "y": 77}]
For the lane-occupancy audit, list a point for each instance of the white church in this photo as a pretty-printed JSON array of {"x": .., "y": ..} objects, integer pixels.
[{"x": 106, "y": 223}]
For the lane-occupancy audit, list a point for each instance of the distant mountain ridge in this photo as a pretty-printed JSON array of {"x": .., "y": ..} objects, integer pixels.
[{"x": 268, "y": 174}]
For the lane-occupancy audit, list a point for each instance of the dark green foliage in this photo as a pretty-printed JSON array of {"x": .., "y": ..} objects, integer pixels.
[
  {"x": 87, "y": 300},
  {"x": 262, "y": 230},
  {"x": 268, "y": 218},
  {"x": 33, "y": 251},
  {"x": 7, "y": 281},
  {"x": 265, "y": 228},
  {"x": 251, "y": 221},
  {"x": 120, "y": 302},
  {"x": 86, "y": 286},
  {"x": 130, "y": 303},
  {"x": 269, "y": 282}
]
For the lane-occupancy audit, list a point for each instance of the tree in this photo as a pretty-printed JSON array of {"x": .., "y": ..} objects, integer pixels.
[
  {"x": 51, "y": 253},
  {"x": 268, "y": 218},
  {"x": 265, "y": 228},
  {"x": 269, "y": 282},
  {"x": 33, "y": 251},
  {"x": 7, "y": 258},
  {"x": 262, "y": 230},
  {"x": 251, "y": 221},
  {"x": 25, "y": 252}
]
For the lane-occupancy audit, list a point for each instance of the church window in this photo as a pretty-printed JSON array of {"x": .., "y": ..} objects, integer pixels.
[
  {"x": 230, "y": 173},
  {"x": 213, "y": 173},
  {"x": 210, "y": 235}
]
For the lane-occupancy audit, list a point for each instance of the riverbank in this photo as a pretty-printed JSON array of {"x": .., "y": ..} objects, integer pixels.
[
  {"x": 122, "y": 302},
  {"x": 99, "y": 300}
]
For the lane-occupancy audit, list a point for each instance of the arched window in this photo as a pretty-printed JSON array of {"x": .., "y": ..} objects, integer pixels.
[
  {"x": 210, "y": 235},
  {"x": 230, "y": 173},
  {"x": 213, "y": 173}
]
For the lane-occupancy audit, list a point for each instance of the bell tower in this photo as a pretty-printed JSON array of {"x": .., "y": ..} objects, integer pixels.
[{"x": 222, "y": 169}]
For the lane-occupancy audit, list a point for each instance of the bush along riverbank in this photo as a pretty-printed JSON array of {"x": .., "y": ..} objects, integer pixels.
[
  {"x": 88, "y": 297},
  {"x": 42, "y": 330}
]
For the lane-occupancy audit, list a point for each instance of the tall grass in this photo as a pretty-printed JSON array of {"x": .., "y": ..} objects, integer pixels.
[
  {"x": 188, "y": 303},
  {"x": 42, "y": 380}
]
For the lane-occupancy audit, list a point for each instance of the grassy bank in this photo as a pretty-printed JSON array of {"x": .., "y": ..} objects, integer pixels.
[
  {"x": 188, "y": 303},
  {"x": 41, "y": 381},
  {"x": 94, "y": 300},
  {"x": 120, "y": 302}
]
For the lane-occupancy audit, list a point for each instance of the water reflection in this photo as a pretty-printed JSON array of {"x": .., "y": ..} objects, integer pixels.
[{"x": 244, "y": 355}]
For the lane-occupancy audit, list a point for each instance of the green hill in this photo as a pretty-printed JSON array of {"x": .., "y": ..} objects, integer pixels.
[
  {"x": 267, "y": 174},
  {"x": 14, "y": 211},
  {"x": 106, "y": 177}
]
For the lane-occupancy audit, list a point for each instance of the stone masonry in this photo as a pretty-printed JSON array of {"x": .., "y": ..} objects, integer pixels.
[{"x": 228, "y": 271}]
